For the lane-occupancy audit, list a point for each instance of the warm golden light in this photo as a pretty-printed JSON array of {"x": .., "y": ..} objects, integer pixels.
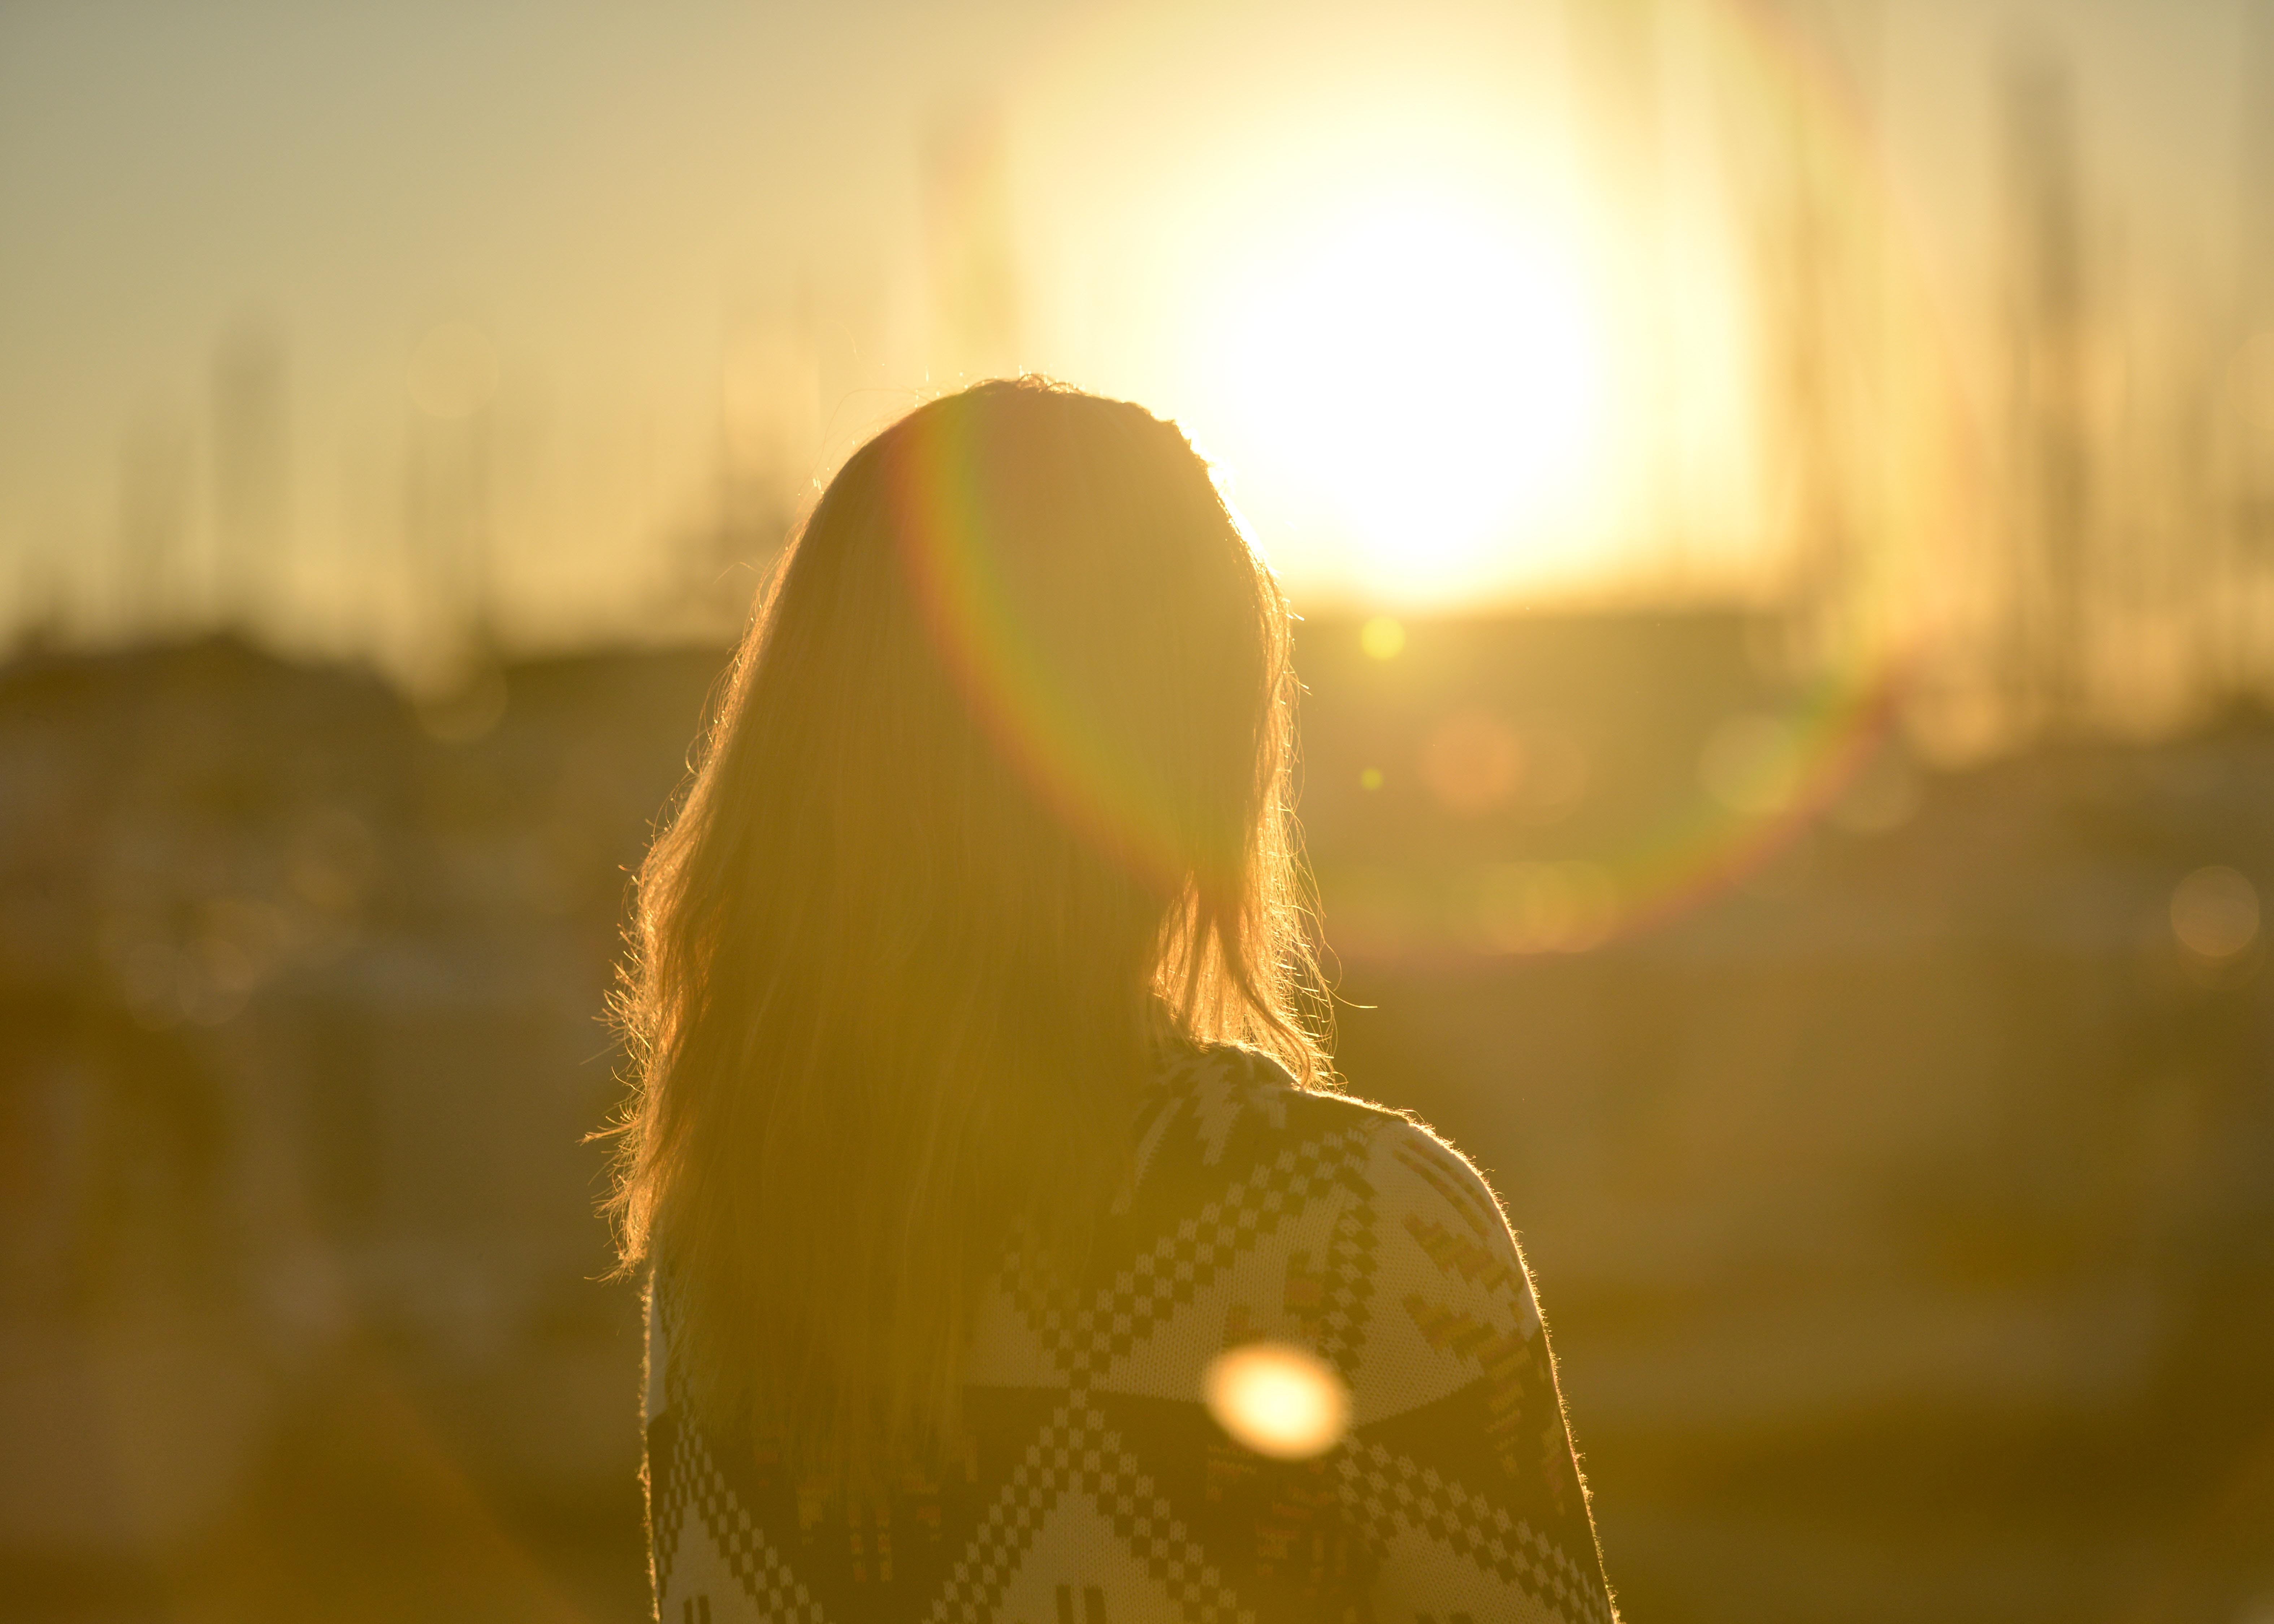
[
  {"x": 1545, "y": 907},
  {"x": 1750, "y": 764},
  {"x": 1277, "y": 1399},
  {"x": 454, "y": 372},
  {"x": 1431, "y": 373}
]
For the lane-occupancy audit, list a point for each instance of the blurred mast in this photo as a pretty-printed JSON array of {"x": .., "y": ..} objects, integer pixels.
[
  {"x": 1822, "y": 313},
  {"x": 2052, "y": 530},
  {"x": 1618, "y": 45},
  {"x": 248, "y": 473},
  {"x": 155, "y": 476},
  {"x": 448, "y": 526},
  {"x": 768, "y": 444},
  {"x": 2232, "y": 610},
  {"x": 971, "y": 255}
]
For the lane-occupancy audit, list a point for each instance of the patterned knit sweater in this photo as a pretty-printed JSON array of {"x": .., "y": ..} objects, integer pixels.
[{"x": 1097, "y": 1490}]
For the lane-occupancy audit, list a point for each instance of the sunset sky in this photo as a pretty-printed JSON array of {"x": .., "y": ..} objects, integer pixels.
[{"x": 1463, "y": 297}]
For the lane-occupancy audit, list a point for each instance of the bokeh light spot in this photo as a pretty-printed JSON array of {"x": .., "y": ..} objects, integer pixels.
[
  {"x": 1369, "y": 777},
  {"x": 1383, "y": 638},
  {"x": 1472, "y": 763},
  {"x": 1278, "y": 1400},
  {"x": 2215, "y": 913}
]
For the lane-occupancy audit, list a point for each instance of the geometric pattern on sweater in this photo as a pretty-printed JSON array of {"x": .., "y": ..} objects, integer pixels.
[{"x": 1093, "y": 1486}]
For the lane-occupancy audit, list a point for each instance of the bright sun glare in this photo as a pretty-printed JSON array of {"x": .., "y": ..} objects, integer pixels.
[
  {"x": 1427, "y": 379},
  {"x": 1278, "y": 1400}
]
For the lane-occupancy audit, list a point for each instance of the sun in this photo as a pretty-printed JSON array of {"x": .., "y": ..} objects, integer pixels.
[{"x": 1420, "y": 379}]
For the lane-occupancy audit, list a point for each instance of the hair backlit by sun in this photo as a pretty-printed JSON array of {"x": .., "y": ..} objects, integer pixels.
[{"x": 1428, "y": 373}]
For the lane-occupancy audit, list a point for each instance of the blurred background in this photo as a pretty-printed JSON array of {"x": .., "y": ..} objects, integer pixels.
[{"x": 1781, "y": 498}]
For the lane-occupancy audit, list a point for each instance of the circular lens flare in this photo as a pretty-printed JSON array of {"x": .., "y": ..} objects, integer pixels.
[{"x": 1280, "y": 1401}]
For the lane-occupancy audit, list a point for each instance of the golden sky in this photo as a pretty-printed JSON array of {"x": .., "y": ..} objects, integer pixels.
[{"x": 1466, "y": 297}]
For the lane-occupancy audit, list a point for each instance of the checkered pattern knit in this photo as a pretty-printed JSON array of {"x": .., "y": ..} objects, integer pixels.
[{"x": 1094, "y": 1488}]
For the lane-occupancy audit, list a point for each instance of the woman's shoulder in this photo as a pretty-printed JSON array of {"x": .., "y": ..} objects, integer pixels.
[
  {"x": 1238, "y": 1108},
  {"x": 1235, "y": 1096}
]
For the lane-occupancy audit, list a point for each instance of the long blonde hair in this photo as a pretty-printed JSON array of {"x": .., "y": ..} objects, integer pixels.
[{"x": 994, "y": 807}]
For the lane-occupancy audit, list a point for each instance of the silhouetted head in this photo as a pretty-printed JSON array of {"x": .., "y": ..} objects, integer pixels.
[{"x": 995, "y": 809}]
